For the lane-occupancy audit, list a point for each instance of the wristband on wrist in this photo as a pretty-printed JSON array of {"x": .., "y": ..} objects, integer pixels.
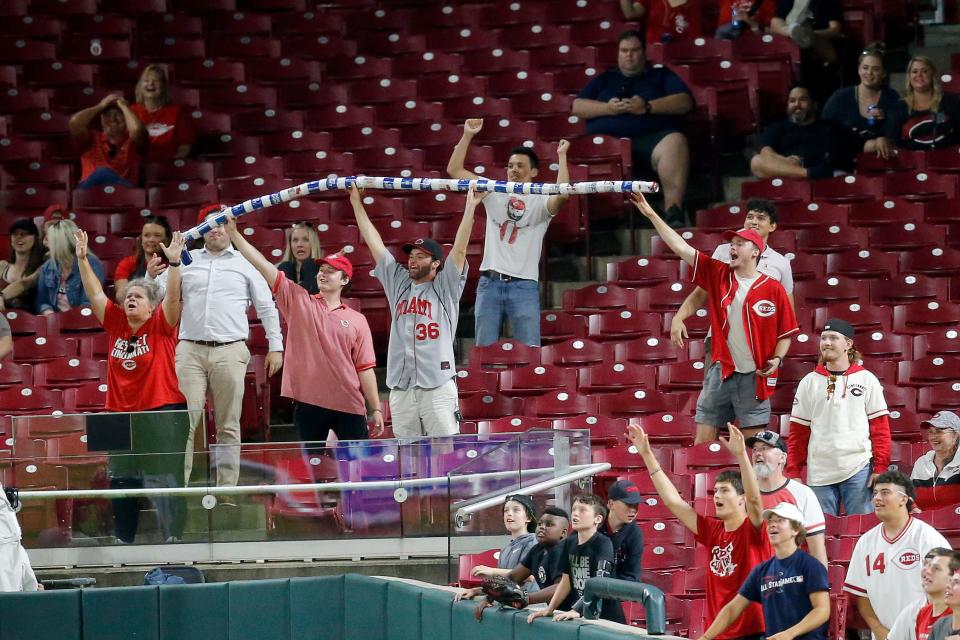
[
  {"x": 377, "y": 411},
  {"x": 174, "y": 264}
]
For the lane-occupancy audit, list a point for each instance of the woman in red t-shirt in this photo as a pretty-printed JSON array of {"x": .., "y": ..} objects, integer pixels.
[
  {"x": 147, "y": 259},
  {"x": 171, "y": 132},
  {"x": 667, "y": 20},
  {"x": 142, "y": 335}
]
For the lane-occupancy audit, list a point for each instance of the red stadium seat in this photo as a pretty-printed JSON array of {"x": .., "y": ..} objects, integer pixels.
[
  {"x": 642, "y": 272},
  {"x": 69, "y": 372},
  {"x": 933, "y": 262},
  {"x": 848, "y": 189},
  {"x": 622, "y": 325},
  {"x": 171, "y": 48},
  {"x": 257, "y": 122},
  {"x": 669, "y": 428},
  {"x": 608, "y": 432},
  {"x": 808, "y": 266},
  {"x": 611, "y": 378},
  {"x": 109, "y": 198},
  {"x": 180, "y": 170},
  {"x": 943, "y": 160},
  {"x": 15, "y": 50},
  {"x": 706, "y": 242},
  {"x": 562, "y": 404},
  {"x": 14, "y": 374},
  {"x": 312, "y": 95},
  {"x": 59, "y": 74},
  {"x": 576, "y": 352},
  {"x": 637, "y": 402},
  {"x": 680, "y": 376},
  {"x": 872, "y": 213},
  {"x": 831, "y": 239},
  {"x": 504, "y": 354},
  {"x": 922, "y": 186},
  {"x": 604, "y": 155},
  {"x": 649, "y": 350},
  {"x": 484, "y": 406},
  {"x": 778, "y": 190},
  {"x": 414, "y": 64},
  {"x": 938, "y": 397},
  {"x": 862, "y": 316},
  {"x": 905, "y": 289},
  {"x": 29, "y": 400},
  {"x": 560, "y": 326},
  {"x": 902, "y": 160},
  {"x": 512, "y": 424},
  {"x": 601, "y": 297},
  {"x": 905, "y": 236},
  {"x": 471, "y": 381},
  {"x": 924, "y": 317},
  {"x": 184, "y": 194},
  {"x": 862, "y": 263},
  {"x": 878, "y": 345},
  {"x": 309, "y": 165},
  {"x": 705, "y": 456},
  {"x": 209, "y": 72},
  {"x": 536, "y": 380},
  {"x": 939, "y": 343},
  {"x": 538, "y": 89},
  {"x": 928, "y": 371},
  {"x": 42, "y": 348}
]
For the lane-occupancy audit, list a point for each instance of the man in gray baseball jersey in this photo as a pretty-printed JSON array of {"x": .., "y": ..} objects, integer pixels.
[{"x": 424, "y": 295}]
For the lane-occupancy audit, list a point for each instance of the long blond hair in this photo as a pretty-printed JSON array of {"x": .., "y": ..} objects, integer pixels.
[
  {"x": 61, "y": 243},
  {"x": 161, "y": 71},
  {"x": 908, "y": 95},
  {"x": 315, "y": 251}
]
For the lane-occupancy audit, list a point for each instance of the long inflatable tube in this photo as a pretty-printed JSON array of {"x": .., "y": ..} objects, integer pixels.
[{"x": 414, "y": 184}]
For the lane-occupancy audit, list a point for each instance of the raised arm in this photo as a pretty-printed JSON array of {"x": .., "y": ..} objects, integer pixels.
[
  {"x": 368, "y": 232},
  {"x": 135, "y": 129},
  {"x": 455, "y": 168},
  {"x": 668, "y": 492},
  {"x": 459, "y": 252},
  {"x": 677, "y": 244},
  {"x": 563, "y": 175},
  {"x": 80, "y": 121},
  {"x": 751, "y": 488},
  {"x": 250, "y": 252},
  {"x": 171, "y": 301},
  {"x": 91, "y": 283},
  {"x": 632, "y": 10}
]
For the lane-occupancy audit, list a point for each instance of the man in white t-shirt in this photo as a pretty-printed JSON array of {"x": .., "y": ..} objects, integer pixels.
[
  {"x": 509, "y": 287},
  {"x": 769, "y": 460},
  {"x": 915, "y": 622},
  {"x": 762, "y": 217},
  {"x": 884, "y": 571}
]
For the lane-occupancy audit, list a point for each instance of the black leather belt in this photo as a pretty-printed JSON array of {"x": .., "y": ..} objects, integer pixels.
[
  {"x": 212, "y": 343},
  {"x": 502, "y": 277}
]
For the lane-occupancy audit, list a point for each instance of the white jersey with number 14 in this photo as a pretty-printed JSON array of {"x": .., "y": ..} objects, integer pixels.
[{"x": 887, "y": 570}]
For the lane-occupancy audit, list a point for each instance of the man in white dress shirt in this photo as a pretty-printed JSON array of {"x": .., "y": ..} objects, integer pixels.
[{"x": 218, "y": 287}]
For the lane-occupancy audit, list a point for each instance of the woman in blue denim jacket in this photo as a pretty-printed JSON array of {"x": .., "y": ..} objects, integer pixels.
[{"x": 60, "y": 287}]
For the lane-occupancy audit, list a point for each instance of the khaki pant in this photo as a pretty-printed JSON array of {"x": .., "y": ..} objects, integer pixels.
[{"x": 221, "y": 369}]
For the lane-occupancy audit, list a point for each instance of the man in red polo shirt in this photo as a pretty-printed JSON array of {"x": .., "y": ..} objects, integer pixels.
[
  {"x": 752, "y": 321},
  {"x": 321, "y": 330}
]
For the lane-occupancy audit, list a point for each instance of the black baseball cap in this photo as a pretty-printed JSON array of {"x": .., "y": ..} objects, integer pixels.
[
  {"x": 840, "y": 326},
  {"x": 25, "y": 224},
  {"x": 624, "y": 491},
  {"x": 527, "y": 503},
  {"x": 771, "y": 438},
  {"x": 428, "y": 245}
]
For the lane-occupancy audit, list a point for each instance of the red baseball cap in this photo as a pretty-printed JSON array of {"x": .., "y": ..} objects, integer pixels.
[
  {"x": 338, "y": 261},
  {"x": 207, "y": 210},
  {"x": 750, "y": 235},
  {"x": 55, "y": 212}
]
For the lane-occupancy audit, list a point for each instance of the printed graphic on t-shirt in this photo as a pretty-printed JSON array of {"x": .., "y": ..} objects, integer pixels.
[
  {"x": 927, "y": 129},
  {"x": 579, "y": 571},
  {"x": 127, "y": 349},
  {"x": 157, "y": 129},
  {"x": 721, "y": 561},
  {"x": 542, "y": 576},
  {"x": 420, "y": 307},
  {"x": 774, "y": 583},
  {"x": 516, "y": 208}
]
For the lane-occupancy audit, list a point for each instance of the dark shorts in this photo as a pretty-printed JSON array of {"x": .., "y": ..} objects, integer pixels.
[
  {"x": 643, "y": 146},
  {"x": 313, "y": 423}
]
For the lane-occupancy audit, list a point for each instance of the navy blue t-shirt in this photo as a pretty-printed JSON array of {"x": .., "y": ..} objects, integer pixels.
[
  {"x": 811, "y": 142},
  {"x": 651, "y": 84},
  {"x": 783, "y": 588}
]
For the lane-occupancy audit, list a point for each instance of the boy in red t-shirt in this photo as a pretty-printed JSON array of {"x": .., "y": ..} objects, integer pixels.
[
  {"x": 752, "y": 320},
  {"x": 735, "y": 539}
]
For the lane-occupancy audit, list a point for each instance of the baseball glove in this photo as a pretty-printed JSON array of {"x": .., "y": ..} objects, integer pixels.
[{"x": 505, "y": 591}]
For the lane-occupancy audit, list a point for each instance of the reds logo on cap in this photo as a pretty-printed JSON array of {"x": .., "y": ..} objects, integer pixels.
[{"x": 764, "y": 308}]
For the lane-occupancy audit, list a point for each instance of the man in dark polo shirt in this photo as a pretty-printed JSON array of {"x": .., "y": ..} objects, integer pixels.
[{"x": 646, "y": 104}]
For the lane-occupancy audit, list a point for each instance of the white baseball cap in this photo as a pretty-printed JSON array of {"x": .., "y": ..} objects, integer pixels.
[{"x": 786, "y": 510}]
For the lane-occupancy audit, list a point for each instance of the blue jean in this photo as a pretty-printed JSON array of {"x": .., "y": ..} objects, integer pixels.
[
  {"x": 103, "y": 176},
  {"x": 517, "y": 301},
  {"x": 855, "y": 493}
]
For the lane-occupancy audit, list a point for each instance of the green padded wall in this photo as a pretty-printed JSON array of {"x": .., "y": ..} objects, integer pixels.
[
  {"x": 40, "y": 616},
  {"x": 366, "y": 608},
  {"x": 194, "y": 612},
  {"x": 435, "y": 615},
  {"x": 496, "y": 624},
  {"x": 121, "y": 613},
  {"x": 404, "y": 612},
  {"x": 260, "y": 610},
  {"x": 316, "y": 606}
]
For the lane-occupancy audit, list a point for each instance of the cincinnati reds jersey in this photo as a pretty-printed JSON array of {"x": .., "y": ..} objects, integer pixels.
[
  {"x": 424, "y": 324},
  {"x": 887, "y": 570}
]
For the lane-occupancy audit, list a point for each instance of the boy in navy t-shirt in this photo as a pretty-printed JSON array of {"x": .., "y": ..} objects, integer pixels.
[{"x": 792, "y": 586}]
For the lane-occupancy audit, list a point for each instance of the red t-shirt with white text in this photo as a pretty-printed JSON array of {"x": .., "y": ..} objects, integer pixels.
[
  {"x": 143, "y": 377},
  {"x": 732, "y": 555}
]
